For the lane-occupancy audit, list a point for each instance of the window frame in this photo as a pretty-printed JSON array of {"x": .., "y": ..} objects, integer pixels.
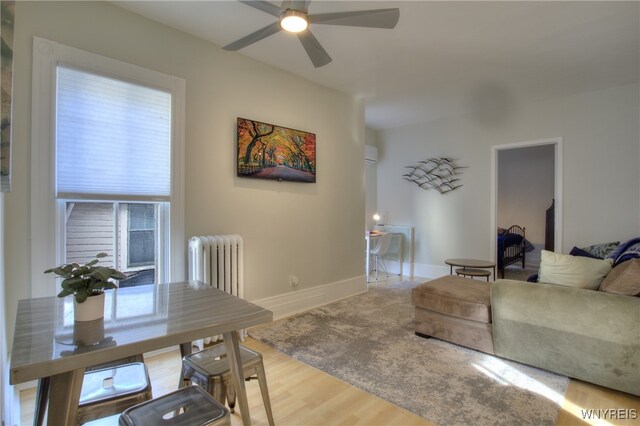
[{"x": 47, "y": 226}]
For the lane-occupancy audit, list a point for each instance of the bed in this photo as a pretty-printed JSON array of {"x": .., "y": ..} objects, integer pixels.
[{"x": 511, "y": 247}]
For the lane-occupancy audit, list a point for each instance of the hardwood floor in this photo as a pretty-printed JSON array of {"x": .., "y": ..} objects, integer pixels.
[
  {"x": 582, "y": 397},
  {"x": 300, "y": 394},
  {"x": 303, "y": 395}
]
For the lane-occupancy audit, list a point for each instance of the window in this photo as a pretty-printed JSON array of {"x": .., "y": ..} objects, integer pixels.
[
  {"x": 113, "y": 141},
  {"x": 107, "y": 168},
  {"x": 141, "y": 235},
  {"x": 127, "y": 232}
]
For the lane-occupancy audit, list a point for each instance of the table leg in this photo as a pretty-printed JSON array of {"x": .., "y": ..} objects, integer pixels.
[
  {"x": 186, "y": 349},
  {"x": 401, "y": 255},
  {"x": 63, "y": 398},
  {"x": 42, "y": 398},
  {"x": 237, "y": 378},
  {"x": 368, "y": 257}
]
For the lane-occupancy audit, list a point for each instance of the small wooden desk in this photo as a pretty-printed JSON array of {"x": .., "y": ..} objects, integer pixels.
[
  {"x": 47, "y": 344},
  {"x": 471, "y": 263}
]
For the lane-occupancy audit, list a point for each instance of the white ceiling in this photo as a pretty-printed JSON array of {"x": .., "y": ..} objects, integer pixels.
[{"x": 444, "y": 58}]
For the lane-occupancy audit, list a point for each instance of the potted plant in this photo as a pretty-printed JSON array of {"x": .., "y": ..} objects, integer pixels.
[{"x": 87, "y": 284}]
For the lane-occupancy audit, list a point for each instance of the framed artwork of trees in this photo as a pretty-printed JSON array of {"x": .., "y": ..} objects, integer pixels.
[
  {"x": 7, "y": 13},
  {"x": 267, "y": 151}
]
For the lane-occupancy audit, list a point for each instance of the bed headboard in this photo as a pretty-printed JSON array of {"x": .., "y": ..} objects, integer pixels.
[{"x": 550, "y": 227}]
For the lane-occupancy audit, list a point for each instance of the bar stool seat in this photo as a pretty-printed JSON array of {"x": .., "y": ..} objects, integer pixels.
[
  {"x": 42, "y": 393},
  {"x": 111, "y": 390},
  {"x": 209, "y": 369},
  {"x": 194, "y": 407}
]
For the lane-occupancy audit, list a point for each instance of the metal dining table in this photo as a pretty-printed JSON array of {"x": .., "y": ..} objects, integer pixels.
[{"x": 48, "y": 344}]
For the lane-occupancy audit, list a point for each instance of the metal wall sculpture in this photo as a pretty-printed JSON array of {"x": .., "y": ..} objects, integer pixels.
[{"x": 440, "y": 174}]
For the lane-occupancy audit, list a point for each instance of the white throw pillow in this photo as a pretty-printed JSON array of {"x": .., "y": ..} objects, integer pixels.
[{"x": 572, "y": 271}]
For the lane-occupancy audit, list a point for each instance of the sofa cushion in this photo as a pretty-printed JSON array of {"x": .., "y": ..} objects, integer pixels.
[
  {"x": 455, "y": 296},
  {"x": 623, "y": 279},
  {"x": 471, "y": 334},
  {"x": 589, "y": 335},
  {"x": 572, "y": 271}
]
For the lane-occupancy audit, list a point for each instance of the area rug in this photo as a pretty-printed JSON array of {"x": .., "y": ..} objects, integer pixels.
[
  {"x": 513, "y": 272},
  {"x": 368, "y": 341}
]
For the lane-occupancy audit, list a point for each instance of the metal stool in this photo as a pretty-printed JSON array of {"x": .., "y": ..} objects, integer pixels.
[
  {"x": 42, "y": 393},
  {"x": 209, "y": 369},
  {"x": 111, "y": 390},
  {"x": 185, "y": 407}
]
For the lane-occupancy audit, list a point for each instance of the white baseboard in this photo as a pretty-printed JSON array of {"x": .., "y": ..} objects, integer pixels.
[
  {"x": 287, "y": 304},
  {"x": 430, "y": 271},
  {"x": 419, "y": 269}
]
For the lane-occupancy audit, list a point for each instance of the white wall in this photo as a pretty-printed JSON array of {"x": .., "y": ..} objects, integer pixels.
[
  {"x": 601, "y": 173},
  {"x": 312, "y": 230},
  {"x": 525, "y": 189}
]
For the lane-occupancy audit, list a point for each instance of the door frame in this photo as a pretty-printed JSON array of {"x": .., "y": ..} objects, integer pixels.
[{"x": 495, "y": 149}]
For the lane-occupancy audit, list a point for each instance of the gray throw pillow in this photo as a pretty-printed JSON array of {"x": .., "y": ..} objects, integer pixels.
[{"x": 602, "y": 250}]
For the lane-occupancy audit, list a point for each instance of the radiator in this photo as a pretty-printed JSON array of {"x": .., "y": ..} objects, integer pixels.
[{"x": 218, "y": 261}]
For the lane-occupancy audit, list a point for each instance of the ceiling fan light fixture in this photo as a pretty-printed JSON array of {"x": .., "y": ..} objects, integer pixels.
[{"x": 294, "y": 21}]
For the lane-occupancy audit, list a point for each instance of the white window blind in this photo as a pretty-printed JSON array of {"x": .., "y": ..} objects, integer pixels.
[{"x": 113, "y": 138}]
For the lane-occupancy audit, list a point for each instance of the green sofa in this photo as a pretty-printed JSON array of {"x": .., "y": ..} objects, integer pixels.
[{"x": 589, "y": 335}]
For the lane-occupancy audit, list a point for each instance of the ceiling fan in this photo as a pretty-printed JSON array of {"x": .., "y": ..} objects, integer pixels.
[{"x": 293, "y": 16}]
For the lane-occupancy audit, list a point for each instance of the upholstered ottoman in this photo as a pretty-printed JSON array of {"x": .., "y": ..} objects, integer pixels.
[{"x": 455, "y": 309}]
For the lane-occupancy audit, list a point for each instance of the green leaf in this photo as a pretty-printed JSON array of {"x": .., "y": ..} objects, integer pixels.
[
  {"x": 58, "y": 271},
  {"x": 95, "y": 286},
  {"x": 118, "y": 275},
  {"x": 85, "y": 280},
  {"x": 102, "y": 273},
  {"x": 81, "y": 295},
  {"x": 73, "y": 282},
  {"x": 64, "y": 293},
  {"x": 109, "y": 284}
]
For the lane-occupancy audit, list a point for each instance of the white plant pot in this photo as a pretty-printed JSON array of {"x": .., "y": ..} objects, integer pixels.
[{"x": 89, "y": 310}]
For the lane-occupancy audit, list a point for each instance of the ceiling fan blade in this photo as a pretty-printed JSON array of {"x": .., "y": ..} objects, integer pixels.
[
  {"x": 286, "y": 4},
  {"x": 301, "y": 5},
  {"x": 316, "y": 52},
  {"x": 253, "y": 37},
  {"x": 376, "y": 18},
  {"x": 264, "y": 6}
]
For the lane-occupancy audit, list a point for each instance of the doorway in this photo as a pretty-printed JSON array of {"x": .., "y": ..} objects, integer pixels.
[{"x": 513, "y": 196}]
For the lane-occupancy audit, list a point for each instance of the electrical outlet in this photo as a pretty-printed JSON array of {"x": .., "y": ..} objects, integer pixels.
[{"x": 294, "y": 280}]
